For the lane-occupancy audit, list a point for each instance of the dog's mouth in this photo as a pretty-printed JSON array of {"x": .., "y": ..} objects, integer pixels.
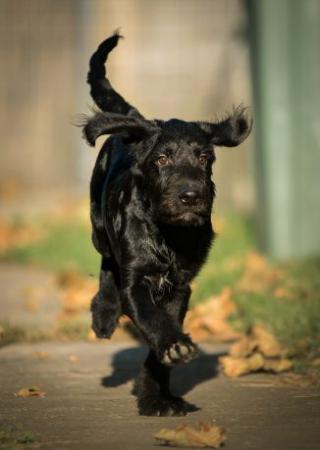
[
  {"x": 186, "y": 218},
  {"x": 172, "y": 212}
]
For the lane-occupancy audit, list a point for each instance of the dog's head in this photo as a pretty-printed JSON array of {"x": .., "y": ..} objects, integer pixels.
[{"x": 174, "y": 159}]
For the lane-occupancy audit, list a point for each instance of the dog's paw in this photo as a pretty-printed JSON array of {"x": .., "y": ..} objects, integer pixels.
[
  {"x": 181, "y": 351},
  {"x": 104, "y": 323},
  {"x": 160, "y": 406}
]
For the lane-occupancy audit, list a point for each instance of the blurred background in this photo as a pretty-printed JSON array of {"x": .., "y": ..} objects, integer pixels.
[{"x": 190, "y": 59}]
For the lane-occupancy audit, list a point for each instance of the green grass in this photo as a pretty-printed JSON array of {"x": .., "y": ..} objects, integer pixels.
[
  {"x": 12, "y": 437},
  {"x": 295, "y": 319},
  {"x": 66, "y": 245},
  {"x": 10, "y": 333}
]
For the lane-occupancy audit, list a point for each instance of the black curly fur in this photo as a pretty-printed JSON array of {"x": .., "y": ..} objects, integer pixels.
[{"x": 151, "y": 200}]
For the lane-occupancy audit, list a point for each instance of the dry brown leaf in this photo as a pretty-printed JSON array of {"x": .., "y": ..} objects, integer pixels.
[
  {"x": 236, "y": 366},
  {"x": 201, "y": 435},
  {"x": 253, "y": 352},
  {"x": 277, "y": 365},
  {"x": 31, "y": 305},
  {"x": 73, "y": 358},
  {"x": 40, "y": 354},
  {"x": 220, "y": 223},
  {"x": 92, "y": 336},
  {"x": 2, "y": 332},
  {"x": 316, "y": 362},
  {"x": 9, "y": 189},
  {"x": 244, "y": 347},
  {"x": 233, "y": 263},
  {"x": 17, "y": 234},
  {"x": 208, "y": 320},
  {"x": 267, "y": 343},
  {"x": 32, "y": 391},
  {"x": 281, "y": 292},
  {"x": 259, "y": 339},
  {"x": 258, "y": 275}
]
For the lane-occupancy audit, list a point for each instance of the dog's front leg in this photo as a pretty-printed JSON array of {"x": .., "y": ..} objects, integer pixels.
[
  {"x": 153, "y": 391},
  {"x": 162, "y": 328},
  {"x": 162, "y": 331}
]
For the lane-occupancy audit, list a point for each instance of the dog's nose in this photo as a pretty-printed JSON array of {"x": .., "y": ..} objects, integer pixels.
[{"x": 188, "y": 197}]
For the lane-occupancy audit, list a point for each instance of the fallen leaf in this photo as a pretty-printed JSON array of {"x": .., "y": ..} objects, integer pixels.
[
  {"x": 73, "y": 358},
  {"x": 220, "y": 223},
  {"x": 237, "y": 366},
  {"x": 31, "y": 305},
  {"x": 281, "y": 292},
  {"x": 41, "y": 354},
  {"x": 316, "y": 362},
  {"x": 92, "y": 336},
  {"x": 258, "y": 276},
  {"x": 208, "y": 321},
  {"x": 267, "y": 342},
  {"x": 16, "y": 234},
  {"x": 201, "y": 435},
  {"x": 9, "y": 189},
  {"x": 244, "y": 347},
  {"x": 278, "y": 365},
  {"x": 260, "y": 339},
  {"x": 259, "y": 350},
  {"x": 33, "y": 391}
]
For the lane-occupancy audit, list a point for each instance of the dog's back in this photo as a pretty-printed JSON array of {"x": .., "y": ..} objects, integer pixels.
[{"x": 114, "y": 161}]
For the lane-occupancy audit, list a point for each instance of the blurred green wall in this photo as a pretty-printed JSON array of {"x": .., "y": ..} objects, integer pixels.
[{"x": 285, "y": 39}]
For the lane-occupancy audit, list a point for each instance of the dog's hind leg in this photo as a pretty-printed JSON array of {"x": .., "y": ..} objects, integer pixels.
[{"x": 105, "y": 306}]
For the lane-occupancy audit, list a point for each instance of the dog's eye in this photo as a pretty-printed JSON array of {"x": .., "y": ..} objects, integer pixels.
[
  {"x": 203, "y": 158},
  {"x": 162, "y": 160}
]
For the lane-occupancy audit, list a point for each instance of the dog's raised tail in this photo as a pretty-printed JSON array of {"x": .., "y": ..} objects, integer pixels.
[{"x": 103, "y": 94}]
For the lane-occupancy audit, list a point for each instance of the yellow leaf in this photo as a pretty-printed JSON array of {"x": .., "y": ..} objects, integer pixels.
[
  {"x": 40, "y": 354},
  {"x": 33, "y": 391},
  {"x": 73, "y": 358},
  {"x": 267, "y": 343},
  {"x": 243, "y": 347},
  {"x": 278, "y": 365},
  {"x": 236, "y": 366},
  {"x": 200, "y": 435}
]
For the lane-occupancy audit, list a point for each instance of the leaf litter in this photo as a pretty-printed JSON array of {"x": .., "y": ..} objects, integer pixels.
[
  {"x": 260, "y": 277},
  {"x": 209, "y": 320},
  {"x": 258, "y": 351},
  {"x": 33, "y": 391},
  {"x": 200, "y": 435}
]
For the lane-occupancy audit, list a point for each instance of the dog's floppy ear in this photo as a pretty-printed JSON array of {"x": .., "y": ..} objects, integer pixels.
[
  {"x": 101, "y": 123},
  {"x": 231, "y": 131}
]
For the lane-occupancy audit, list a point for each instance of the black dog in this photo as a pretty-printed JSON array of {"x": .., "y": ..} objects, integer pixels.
[{"x": 151, "y": 201}]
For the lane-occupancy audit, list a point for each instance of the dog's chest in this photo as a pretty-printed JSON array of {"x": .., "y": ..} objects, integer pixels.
[{"x": 168, "y": 270}]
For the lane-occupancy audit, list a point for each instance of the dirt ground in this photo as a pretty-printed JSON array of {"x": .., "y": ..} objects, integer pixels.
[{"x": 88, "y": 404}]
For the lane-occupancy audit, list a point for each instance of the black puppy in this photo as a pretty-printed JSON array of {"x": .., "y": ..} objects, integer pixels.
[{"x": 151, "y": 201}]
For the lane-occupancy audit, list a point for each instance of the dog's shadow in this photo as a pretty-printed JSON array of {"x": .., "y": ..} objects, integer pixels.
[{"x": 126, "y": 365}]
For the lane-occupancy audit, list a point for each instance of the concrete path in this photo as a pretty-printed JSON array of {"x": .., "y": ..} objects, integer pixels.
[
  {"x": 29, "y": 297},
  {"x": 89, "y": 405}
]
